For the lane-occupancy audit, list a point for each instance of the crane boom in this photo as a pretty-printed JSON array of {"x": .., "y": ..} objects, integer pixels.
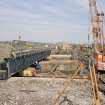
[
  {"x": 93, "y": 9},
  {"x": 97, "y": 19},
  {"x": 97, "y": 32}
]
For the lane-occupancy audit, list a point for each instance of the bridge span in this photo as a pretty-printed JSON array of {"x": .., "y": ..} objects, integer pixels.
[{"x": 20, "y": 61}]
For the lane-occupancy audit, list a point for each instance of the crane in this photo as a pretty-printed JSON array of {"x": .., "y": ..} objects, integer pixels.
[{"x": 97, "y": 32}]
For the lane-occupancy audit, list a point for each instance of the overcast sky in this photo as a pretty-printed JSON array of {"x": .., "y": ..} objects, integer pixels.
[{"x": 45, "y": 20}]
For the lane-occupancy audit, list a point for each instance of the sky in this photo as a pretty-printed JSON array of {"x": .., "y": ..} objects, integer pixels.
[{"x": 45, "y": 20}]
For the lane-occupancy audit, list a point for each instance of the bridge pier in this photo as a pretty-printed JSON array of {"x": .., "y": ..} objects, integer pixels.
[{"x": 37, "y": 66}]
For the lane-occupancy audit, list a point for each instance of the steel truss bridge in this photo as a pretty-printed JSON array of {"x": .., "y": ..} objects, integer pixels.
[{"x": 21, "y": 60}]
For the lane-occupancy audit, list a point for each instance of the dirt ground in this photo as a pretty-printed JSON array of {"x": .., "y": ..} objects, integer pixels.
[{"x": 43, "y": 91}]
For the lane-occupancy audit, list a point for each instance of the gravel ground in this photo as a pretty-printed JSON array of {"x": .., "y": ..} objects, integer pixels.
[{"x": 42, "y": 91}]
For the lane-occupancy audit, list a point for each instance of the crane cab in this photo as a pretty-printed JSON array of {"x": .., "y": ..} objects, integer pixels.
[{"x": 100, "y": 61}]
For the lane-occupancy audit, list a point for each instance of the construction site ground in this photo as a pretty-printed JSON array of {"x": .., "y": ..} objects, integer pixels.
[
  {"x": 46, "y": 86},
  {"x": 43, "y": 91}
]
